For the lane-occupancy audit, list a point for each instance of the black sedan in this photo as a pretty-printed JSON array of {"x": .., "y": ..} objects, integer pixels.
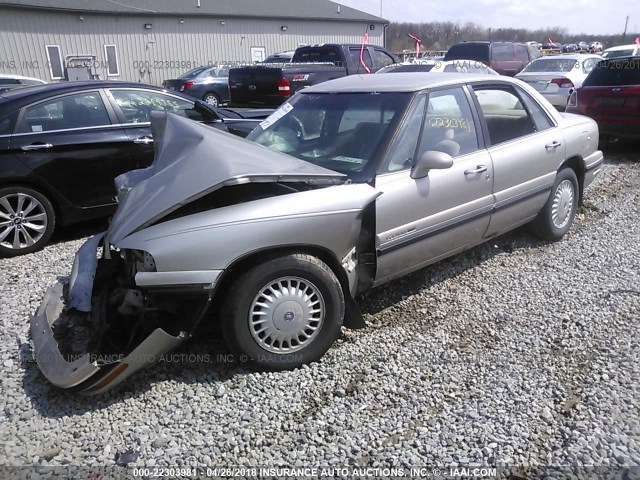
[{"x": 61, "y": 146}]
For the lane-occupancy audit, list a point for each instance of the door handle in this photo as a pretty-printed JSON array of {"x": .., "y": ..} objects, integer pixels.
[
  {"x": 479, "y": 169},
  {"x": 35, "y": 146},
  {"x": 553, "y": 144},
  {"x": 143, "y": 140}
]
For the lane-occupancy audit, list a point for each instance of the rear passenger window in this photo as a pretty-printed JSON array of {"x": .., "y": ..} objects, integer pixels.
[
  {"x": 137, "y": 105},
  {"x": 354, "y": 53},
  {"x": 382, "y": 59},
  {"x": 502, "y": 51},
  {"x": 522, "y": 53},
  {"x": 449, "y": 126},
  {"x": 504, "y": 114},
  {"x": 71, "y": 111},
  {"x": 540, "y": 118}
]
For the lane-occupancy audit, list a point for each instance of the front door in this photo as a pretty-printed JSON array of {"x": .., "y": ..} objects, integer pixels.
[
  {"x": 71, "y": 143},
  {"x": 420, "y": 221}
]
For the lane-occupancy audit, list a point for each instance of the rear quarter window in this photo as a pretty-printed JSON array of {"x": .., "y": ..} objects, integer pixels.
[
  {"x": 502, "y": 52},
  {"x": 469, "y": 51}
]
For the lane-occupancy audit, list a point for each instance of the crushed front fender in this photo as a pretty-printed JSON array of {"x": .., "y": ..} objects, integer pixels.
[{"x": 89, "y": 373}]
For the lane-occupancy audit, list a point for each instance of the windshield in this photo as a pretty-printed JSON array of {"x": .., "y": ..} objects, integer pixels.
[{"x": 343, "y": 132}]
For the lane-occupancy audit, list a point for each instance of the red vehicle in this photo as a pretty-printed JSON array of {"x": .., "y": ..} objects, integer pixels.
[{"x": 611, "y": 96}]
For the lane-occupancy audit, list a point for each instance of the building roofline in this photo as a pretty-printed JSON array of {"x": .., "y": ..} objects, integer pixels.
[{"x": 317, "y": 10}]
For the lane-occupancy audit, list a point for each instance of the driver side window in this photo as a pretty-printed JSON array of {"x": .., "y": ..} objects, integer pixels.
[
  {"x": 137, "y": 105},
  {"x": 404, "y": 148}
]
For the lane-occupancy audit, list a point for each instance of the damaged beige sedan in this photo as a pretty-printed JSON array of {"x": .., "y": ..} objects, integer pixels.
[{"x": 350, "y": 184}]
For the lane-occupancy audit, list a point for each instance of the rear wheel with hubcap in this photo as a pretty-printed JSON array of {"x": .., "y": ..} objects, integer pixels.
[
  {"x": 212, "y": 99},
  {"x": 27, "y": 220},
  {"x": 284, "y": 312},
  {"x": 557, "y": 215}
]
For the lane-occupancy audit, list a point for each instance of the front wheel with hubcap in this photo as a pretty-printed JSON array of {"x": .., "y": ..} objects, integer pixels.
[
  {"x": 284, "y": 312},
  {"x": 27, "y": 220},
  {"x": 557, "y": 215}
]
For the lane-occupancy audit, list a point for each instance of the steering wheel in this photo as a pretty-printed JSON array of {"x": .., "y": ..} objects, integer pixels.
[{"x": 297, "y": 126}]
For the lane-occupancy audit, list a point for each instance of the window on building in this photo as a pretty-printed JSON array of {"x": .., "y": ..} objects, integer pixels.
[
  {"x": 54, "y": 60},
  {"x": 111, "y": 54}
]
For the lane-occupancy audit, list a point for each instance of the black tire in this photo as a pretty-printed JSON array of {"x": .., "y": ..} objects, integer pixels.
[
  {"x": 550, "y": 227},
  {"x": 236, "y": 321},
  {"x": 22, "y": 238},
  {"x": 212, "y": 99}
]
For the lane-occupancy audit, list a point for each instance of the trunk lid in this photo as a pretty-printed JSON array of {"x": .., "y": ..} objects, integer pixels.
[
  {"x": 192, "y": 160},
  {"x": 173, "y": 83},
  {"x": 542, "y": 82}
]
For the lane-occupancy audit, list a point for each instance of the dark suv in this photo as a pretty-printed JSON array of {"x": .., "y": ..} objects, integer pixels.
[
  {"x": 611, "y": 96},
  {"x": 506, "y": 58}
]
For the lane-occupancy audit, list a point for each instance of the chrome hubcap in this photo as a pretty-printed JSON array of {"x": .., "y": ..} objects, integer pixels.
[
  {"x": 562, "y": 204},
  {"x": 23, "y": 221},
  {"x": 286, "y": 315},
  {"x": 211, "y": 100}
]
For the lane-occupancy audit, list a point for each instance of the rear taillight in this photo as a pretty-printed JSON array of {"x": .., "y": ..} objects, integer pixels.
[
  {"x": 284, "y": 87},
  {"x": 186, "y": 85},
  {"x": 562, "y": 82},
  {"x": 573, "y": 99}
]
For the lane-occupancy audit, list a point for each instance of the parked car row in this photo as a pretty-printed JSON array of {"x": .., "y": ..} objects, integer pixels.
[
  {"x": 348, "y": 185},
  {"x": 556, "y": 76}
]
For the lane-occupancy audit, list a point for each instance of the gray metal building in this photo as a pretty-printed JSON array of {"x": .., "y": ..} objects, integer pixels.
[{"x": 152, "y": 40}]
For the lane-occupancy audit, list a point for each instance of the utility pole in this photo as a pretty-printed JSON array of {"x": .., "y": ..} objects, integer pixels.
[{"x": 624, "y": 34}]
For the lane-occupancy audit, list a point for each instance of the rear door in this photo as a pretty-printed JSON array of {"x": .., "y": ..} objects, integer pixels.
[
  {"x": 526, "y": 149},
  {"x": 419, "y": 221},
  {"x": 74, "y": 143},
  {"x": 133, "y": 107}
]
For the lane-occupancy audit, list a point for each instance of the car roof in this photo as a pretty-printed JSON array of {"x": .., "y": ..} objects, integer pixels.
[
  {"x": 570, "y": 56},
  {"x": 33, "y": 93},
  {"x": 399, "y": 82},
  {"x": 622, "y": 47},
  {"x": 20, "y": 77}
]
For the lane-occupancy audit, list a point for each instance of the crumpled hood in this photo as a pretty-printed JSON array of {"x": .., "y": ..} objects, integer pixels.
[{"x": 193, "y": 160}]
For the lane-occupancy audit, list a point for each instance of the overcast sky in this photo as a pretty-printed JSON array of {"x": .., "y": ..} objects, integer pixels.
[{"x": 578, "y": 16}]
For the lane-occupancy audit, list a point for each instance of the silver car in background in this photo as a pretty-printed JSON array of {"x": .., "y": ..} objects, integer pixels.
[
  {"x": 556, "y": 76},
  {"x": 350, "y": 184}
]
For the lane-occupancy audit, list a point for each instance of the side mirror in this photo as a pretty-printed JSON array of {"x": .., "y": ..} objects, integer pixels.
[
  {"x": 208, "y": 113},
  {"x": 431, "y": 159}
]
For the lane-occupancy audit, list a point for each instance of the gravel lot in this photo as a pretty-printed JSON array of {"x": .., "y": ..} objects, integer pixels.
[{"x": 516, "y": 353}]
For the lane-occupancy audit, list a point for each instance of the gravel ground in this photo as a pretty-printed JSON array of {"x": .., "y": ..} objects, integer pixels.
[{"x": 517, "y": 353}]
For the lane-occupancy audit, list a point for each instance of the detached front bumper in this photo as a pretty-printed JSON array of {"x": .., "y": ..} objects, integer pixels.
[
  {"x": 92, "y": 372},
  {"x": 88, "y": 374}
]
